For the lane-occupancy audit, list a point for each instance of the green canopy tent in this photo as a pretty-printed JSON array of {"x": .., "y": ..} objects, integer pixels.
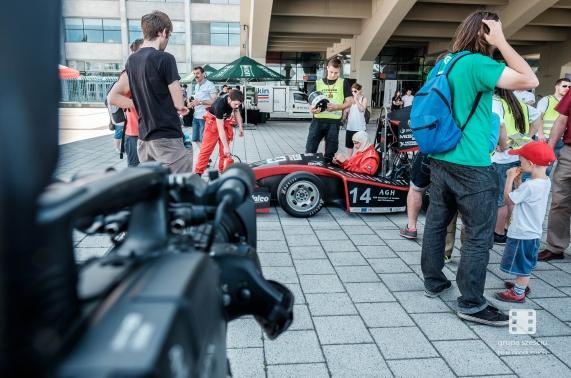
[
  {"x": 208, "y": 70},
  {"x": 245, "y": 70}
]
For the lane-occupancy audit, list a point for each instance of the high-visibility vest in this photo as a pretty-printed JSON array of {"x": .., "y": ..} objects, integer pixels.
[
  {"x": 334, "y": 94},
  {"x": 515, "y": 139},
  {"x": 550, "y": 115}
]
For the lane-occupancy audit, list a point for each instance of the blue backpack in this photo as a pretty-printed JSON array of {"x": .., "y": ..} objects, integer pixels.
[{"x": 431, "y": 119}]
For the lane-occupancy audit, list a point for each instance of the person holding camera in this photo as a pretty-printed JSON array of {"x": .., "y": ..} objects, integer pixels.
[{"x": 325, "y": 125}]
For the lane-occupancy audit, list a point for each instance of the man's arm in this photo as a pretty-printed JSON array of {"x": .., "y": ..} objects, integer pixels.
[
  {"x": 222, "y": 135},
  {"x": 118, "y": 94},
  {"x": 559, "y": 128},
  {"x": 177, "y": 99}
]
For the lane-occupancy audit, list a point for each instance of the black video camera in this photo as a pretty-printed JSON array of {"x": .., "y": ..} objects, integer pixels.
[{"x": 183, "y": 264}]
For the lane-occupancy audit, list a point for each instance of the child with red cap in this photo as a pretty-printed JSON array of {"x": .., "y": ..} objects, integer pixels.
[{"x": 530, "y": 205}]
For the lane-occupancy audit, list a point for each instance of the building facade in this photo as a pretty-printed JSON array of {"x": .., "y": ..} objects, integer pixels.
[{"x": 96, "y": 34}]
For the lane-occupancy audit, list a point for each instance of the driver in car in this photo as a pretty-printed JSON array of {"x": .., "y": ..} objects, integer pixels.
[{"x": 365, "y": 159}]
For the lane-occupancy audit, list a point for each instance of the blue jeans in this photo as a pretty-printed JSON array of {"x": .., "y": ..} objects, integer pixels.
[
  {"x": 472, "y": 191},
  {"x": 502, "y": 172},
  {"x": 197, "y": 129},
  {"x": 118, "y": 132},
  {"x": 131, "y": 149}
]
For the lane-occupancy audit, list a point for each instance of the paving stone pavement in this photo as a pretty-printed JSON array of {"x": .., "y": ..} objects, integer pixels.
[{"x": 360, "y": 309}]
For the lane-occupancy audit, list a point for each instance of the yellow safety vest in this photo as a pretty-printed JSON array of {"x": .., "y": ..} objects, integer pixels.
[
  {"x": 335, "y": 95},
  {"x": 515, "y": 139},
  {"x": 550, "y": 115}
]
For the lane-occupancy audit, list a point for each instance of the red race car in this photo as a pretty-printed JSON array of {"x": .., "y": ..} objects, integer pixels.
[{"x": 303, "y": 183}]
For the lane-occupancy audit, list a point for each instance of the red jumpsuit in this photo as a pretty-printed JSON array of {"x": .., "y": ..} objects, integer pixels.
[
  {"x": 209, "y": 140},
  {"x": 366, "y": 162}
]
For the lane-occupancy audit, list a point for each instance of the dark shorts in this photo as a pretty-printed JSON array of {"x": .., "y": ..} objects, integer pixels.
[
  {"x": 520, "y": 256},
  {"x": 420, "y": 172},
  {"x": 501, "y": 170},
  {"x": 349, "y": 138}
]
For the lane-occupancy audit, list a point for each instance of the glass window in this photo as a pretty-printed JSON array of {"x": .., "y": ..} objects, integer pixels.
[
  {"x": 201, "y": 27},
  {"x": 218, "y": 27},
  {"x": 219, "y": 39},
  {"x": 234, "y": 40},
  {"x": 134, "y": 27},
  {"x": 200, "y": 39},
  {"x": 234, "y": 28},
  {"x": 95, "y": 30},
  {"x": 298, "y": 97}
]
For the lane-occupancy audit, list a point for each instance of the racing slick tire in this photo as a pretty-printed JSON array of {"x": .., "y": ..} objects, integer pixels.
[{"x": 300, "y": 194}]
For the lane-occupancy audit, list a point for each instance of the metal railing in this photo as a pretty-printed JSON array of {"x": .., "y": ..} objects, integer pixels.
[{"x": 86, "y": 89}]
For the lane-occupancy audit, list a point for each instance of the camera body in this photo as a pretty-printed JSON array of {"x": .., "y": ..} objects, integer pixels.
[{"x": 157, "y": 304}]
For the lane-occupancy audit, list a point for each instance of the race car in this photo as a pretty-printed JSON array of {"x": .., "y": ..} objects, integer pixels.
[{"x": 303, "y": 183}]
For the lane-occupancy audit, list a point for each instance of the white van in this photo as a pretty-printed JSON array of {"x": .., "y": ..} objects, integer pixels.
[{"x": 282, "y": 102}]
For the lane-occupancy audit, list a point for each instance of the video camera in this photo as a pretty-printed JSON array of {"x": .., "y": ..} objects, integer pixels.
[{"x": 183, "y": 264}]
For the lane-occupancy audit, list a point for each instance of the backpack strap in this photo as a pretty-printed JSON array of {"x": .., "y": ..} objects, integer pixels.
[
  {"x": 448, "y": 66},
  {"x": 473, "y": 110}
]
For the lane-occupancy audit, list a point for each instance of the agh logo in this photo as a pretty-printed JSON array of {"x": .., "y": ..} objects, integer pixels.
[{"x": 387, "y": 192}]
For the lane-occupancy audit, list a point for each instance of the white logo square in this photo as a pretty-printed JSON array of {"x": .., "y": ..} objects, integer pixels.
[{"x": 523, "y": 322}]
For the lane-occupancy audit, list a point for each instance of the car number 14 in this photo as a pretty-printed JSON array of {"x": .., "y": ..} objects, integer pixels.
[{"x": 366, "y": 195}]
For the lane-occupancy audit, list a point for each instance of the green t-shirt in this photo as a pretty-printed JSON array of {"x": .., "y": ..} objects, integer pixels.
[{"x": 472, "y": 74}]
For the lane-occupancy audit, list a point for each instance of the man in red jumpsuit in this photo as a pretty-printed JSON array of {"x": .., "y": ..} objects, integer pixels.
[
  {"x": 220, "y": 119},
  {"x": 366, "y": 158}
]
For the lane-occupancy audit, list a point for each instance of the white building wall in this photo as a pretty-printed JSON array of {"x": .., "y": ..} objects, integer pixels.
[
  {"x": 137, "y": 9},
  {"x": 214, "y": 12},
  {"x": 110, "y": 52},
  {"x": 215, "y": 54},
  {"x": 91, "y": 8}
]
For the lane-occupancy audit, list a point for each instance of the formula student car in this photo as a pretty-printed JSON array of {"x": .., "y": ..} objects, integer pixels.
[{"x": 303, "y": 183}]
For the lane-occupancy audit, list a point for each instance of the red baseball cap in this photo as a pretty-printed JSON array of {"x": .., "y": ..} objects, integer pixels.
[{"x": 538, "y": 153}]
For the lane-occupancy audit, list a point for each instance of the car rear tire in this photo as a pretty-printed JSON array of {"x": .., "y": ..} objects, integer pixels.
[{"x": 300, "y": 194}]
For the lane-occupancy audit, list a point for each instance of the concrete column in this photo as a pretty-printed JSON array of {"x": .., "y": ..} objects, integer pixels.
[
  {"x": 188, "y": 39},
  {"x": 364, "y": 76},
  {"x": 554, "y": 63},
  {"x": 124, "y": 30}
]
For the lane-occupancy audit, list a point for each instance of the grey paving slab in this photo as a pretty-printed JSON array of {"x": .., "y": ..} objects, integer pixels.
[
  {"x": 554, "y": 277},
  {"x": 362, "y": 360},
  {"x": 411, "y": 258},
  {"x": 376, "y": 252},
  {"x": 247, "y": 362},
  {"x": 417, "y": 302},
  {"x": 346, "y": 259},
  {"x": 301, "y": 240},
  {"x": 264, "y": 225},
  {"x": 401, "y": 343},
  {"x": 276, "y": 246},
  {"x": 564, "y": 266},
  {"x": 317, "y": 266},
  {"x": 537, "y": 366},
  {"x": 283, "y": 274},
  {"x": 299, "y": 298},
  {"x": 313, "y": 252},
  {"x": 389, "y": 235},
  {"x": 297, "y": 230},
  {"x": 290, "y": 221},
  {"x": 402, "y": 281},
  {"x": 430, "y": 368},
  {"x": 293, "y": 347},
  {"x": 369, "y": 292},
  {"x": 330, "y": 304},
  {"x": 244, "y": 333},
  {"x": 541, "y": 289},
  {"x": 549, "y": 325},
  {"x": 331, "y": 235},
  {"x": 349, "y": 274},
  {"x": 557, "y": 306},
  {"x": 275, "y": 259},
  {"x": 298, "y": 370},
  {"x": 389, "y": 265},
  {"x": 386, "y": 314},
  {"x": 559, "y": 346},
  {"x": 341, "y": 330},
  {"x": 446, "y": 326},
  {"x": 338, "y": 246},
  {"x": 404, "y": 245},
  {"x": 455, "y": 352},
  {"x": 269, "y": 235},
  {"x": 325, "y": 226},
  {"x": 312, "y": 283},
  {"x": 358, "y": 239},
  {"x": 301, "y": 318},
  {"x": 358, "y": 230},
  {"x": 382, "y": 225}
]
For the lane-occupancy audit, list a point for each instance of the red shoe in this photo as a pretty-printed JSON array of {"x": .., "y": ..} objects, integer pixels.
[
  {"x": 510, "y": 285},
  {"x": 510, "y": 296}
]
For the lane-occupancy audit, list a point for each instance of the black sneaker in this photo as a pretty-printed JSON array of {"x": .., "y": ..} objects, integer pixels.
[
  {"x": 500, "y": 239},
  {"x": 489, "y": 316},
  {"x": 434, "y": 294}
]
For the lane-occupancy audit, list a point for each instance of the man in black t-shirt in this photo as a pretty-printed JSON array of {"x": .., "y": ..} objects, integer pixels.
[
  {"x": 326, "y": 124},
  {"x": 220, "y": 119},
  {"x": 158, "y": 96}
]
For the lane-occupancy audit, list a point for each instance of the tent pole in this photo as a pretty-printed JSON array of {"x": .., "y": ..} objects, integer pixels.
[{"x": 245, "y": 103}]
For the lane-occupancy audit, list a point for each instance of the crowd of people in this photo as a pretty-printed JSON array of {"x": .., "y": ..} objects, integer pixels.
[{"x": 496, "y": 179}]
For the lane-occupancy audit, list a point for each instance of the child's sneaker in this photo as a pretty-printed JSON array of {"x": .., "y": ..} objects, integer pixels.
[
  {"x": 408, "y": 233},
  {"x": 510, "y": 285},
  {"x": 510, "y": 296}
]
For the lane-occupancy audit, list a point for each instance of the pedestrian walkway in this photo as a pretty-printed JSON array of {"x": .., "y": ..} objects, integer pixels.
[{"x": 360, "y": 309}]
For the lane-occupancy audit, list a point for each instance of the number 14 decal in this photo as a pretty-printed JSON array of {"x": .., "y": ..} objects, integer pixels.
[{"x": 365, "y": 196}]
